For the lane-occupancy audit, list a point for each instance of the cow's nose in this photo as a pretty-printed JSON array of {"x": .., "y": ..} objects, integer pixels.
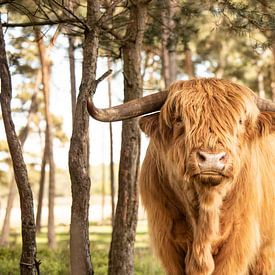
[{"x": 211, "y": 161}]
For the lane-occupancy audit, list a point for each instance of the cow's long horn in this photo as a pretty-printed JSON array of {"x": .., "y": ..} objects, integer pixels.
[
  {"x": 130, "y": 109},
  {"x": 265, "y": 105}
]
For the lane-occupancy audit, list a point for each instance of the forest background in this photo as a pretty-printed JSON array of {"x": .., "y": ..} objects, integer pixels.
[{"x": 80, "y": 177}]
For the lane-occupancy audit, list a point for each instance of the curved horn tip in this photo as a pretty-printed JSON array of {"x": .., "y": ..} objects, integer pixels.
[{"x": 265, "y": 104}]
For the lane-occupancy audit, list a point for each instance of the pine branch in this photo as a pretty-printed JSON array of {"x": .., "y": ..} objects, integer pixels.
[{"x": 42, "y": 23}]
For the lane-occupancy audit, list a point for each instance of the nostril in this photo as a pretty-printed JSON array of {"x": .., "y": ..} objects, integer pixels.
[
  {"x": 223, "y": 158},
  {"x": 201, "y": 156}
]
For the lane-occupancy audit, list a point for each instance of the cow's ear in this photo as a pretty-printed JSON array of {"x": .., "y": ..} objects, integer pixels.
[
  {"x": 149, "y": 124},
  {"x": 266, "y": 123}
]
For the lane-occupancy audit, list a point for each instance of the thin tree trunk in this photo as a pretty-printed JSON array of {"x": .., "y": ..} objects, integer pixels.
[
  {"x": 4, "y": 240},
  {"x": 164, "y": 42},
  {"x": 41, "y": 189},
  {"x": 103, "y": 193},
  {"x": 121, "y": 256},
  {"x": 168, "y": 42},
  {"x": 273, "y": 71},
  {"x": 188, "y": 64},
  {"x": 72, "y": 75},
  {"x": 28, "y": 264},
  {"x": 222, "y": 60},
  {"x": 112, "y": 175},
  {"x": 260, "y": 80},
  {"x": 51, "y": 197},
  {"x": 173, "y": 67},
  {"x": 80, "y": 258},
  {"x": 45, "y": 67},
  {"x": 270, "y": 35},
  {"x": 12, "y": 191},
  {"x": 108, "y": 3}
]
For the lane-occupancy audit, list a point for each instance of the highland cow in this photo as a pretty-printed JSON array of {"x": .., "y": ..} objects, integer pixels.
[{"x": 208, "y": 178}]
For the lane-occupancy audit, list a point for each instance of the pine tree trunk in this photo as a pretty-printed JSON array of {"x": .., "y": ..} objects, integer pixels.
[
  {"x": 72, "y": 75},
  {"x": 222, "y": 60},
  {"x": 164, "y": 42},
  {"x": 80, "y": 258},
  {"x": 121, "y": 256},
  {"x": 41, "y": 189},
  {"x": 28, "y": 264},
  {"x": 273, "y": 71},
  {"x": 112, "y": 175},
  {"x": 261, "y": 84},
  {"x": 45, "y": 67},
  {"x": 4, "y": 240},
  {"x": 168, "y": 43},
  {"x": 103, "y": 193},
  {"x": 188, "y": 64}
]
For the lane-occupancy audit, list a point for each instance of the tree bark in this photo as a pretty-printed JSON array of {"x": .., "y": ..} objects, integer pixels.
[
  {"x": 168, "y": 43},
  {"x": 121, "y": 256},
  {"x": 78, "y": 162},
  {"x": 28, "y": 257},
  {"x": 45, "y": 68}
]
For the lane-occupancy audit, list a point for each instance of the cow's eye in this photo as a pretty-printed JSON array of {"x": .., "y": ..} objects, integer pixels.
[{"x": 240, "y": 121}]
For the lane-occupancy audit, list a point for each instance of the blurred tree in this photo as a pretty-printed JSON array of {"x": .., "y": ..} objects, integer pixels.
[
  {"x": 23, "y": 58},
  {"x": 5, "y": 164},
  {"x": 28, "y": 263},
  {"x": 112, "y": 176},
  {"x": 172, "y": 27},
  {"x": 48, "y": 153},
  {"x": 228, "y": 58},
  {"x": 168, "y": 41},
  {"x": 12, "y": 190},
  {"x": 246, "y": 17}
]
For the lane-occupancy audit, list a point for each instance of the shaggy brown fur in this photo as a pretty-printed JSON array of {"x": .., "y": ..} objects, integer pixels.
[{"x": 197, "y": 228}]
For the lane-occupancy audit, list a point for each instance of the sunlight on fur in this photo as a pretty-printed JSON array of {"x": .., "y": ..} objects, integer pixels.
[{"x": 208, "y": 180}]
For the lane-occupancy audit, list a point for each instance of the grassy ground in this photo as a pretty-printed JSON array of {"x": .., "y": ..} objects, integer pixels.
[{"x": 57, "y": 262}]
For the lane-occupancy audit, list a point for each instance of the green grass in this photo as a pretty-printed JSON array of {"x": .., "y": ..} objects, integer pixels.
[{"x": 57, "y": 262}]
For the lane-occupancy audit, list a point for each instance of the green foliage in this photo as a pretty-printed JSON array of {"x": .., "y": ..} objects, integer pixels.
[
  {"x": 56, "y": 262},
  {"x": 58, "y": 132},
  {"x": 52, "y": 262},
  {"x": 23, "y": 54},
  {"x": 9, "y": 260},
  {"x": 244, "y": 16}
]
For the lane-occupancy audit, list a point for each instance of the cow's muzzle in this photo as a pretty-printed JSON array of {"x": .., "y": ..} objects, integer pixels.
[
  {"x": 211, "y": 167},
  {"x": 211, "y": 161}
]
